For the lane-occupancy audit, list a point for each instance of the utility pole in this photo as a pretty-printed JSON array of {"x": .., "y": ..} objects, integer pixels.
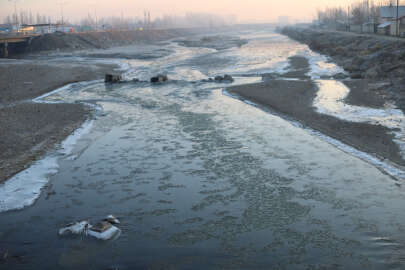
[
  {"x": 61, "y": 11},
  {"x": 397, "y": 23},
  {"x": 15, "y": 11}
]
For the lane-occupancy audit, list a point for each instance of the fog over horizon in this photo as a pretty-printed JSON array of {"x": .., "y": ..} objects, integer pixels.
[{"x": 253, "y": 11}]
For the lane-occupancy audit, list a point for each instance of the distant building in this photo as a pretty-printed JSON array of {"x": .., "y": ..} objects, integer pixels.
[
  {"x": 389, "y": 23},
  {"x": 5, "y": 28},
  {"x": 44, "y": 28}
]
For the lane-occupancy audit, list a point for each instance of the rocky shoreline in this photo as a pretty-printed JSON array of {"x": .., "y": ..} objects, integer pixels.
[{"x": 379, "y": 60}]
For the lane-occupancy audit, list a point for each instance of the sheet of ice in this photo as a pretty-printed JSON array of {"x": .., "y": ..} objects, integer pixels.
[
  {"x": 69, "y": 143},
  {"x": 24, "y": 188}
]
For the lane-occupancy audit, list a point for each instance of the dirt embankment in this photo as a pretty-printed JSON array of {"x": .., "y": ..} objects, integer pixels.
[
  {"x": 375, "y": 58},
  {"x": 94, "y": 40}
]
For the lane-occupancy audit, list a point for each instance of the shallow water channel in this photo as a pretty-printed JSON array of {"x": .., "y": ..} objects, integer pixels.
[{"x": 200, "y": 180}]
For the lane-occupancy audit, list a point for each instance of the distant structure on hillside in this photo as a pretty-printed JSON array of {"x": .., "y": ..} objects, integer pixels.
[{"x": 283, "y": 20}]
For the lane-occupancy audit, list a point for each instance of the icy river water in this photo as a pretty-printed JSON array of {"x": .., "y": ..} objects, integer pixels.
[{"x": 201, "y": 180}]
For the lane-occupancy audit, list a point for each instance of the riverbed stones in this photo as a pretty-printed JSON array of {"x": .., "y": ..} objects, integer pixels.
[
  {"x": 160, "y": 78},
  {"x": 111, "y": 78}
]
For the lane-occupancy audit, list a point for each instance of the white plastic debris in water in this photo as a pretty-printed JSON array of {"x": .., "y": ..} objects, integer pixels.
[
  {"x": 103, "y": 230},
  {"x": 107, "y": 233},
  {"x": 111, "y": 219},
  {"x": 75, "y": 228}
]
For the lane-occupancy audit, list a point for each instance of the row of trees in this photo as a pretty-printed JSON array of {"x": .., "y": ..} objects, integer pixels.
[
  {"x": 166, "y": 21},
  {"x": 91, "y": 21},
  {"x": 358, "y": 13},
  {"x": 26, "y": 17}
]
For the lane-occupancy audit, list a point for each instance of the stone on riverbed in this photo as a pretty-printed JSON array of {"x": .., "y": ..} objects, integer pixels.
[
  {"x": 159, "y": 79},
  {"x": 111, "y": 78}
]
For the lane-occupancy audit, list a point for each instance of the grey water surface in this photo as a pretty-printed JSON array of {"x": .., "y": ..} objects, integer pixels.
[{"x": 200, "y": 180}]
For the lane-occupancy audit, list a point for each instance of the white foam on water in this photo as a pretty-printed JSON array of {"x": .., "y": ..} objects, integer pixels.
[{"x": 383, "y": 165}]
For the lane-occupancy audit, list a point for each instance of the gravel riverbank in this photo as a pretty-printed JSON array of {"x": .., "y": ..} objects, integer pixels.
[{"x": 29, "y": 130}]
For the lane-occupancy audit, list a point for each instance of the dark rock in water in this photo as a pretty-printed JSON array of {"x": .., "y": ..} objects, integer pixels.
[
  {"x": 110, "y": 78},
  {"x": 325, "y": 77},
  {"x": 228, "y": 78},
  {"x": 159, "y": 79},
  {"x": 340, "y": 76},
  {"x": 356, "y": 75},
  {"x": 136, "y": 80}
]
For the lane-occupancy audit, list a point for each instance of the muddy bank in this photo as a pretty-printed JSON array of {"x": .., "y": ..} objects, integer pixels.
[
  {"x": 294, "y": 99},
  {"x": 29, "y": 130},
  {"x": 94, "y": 40},
  {"x": 376, "y": 58}
]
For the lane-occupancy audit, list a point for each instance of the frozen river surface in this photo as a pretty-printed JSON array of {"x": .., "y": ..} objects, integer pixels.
[{"x": 200, "y": 180}]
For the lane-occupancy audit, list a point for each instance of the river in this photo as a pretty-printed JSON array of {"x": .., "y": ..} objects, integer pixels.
[{"x": 200, "y": 180}]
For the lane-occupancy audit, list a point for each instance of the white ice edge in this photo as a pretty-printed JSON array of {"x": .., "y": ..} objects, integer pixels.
[
  {"x": 24, "y": 189},
  {"x": 391, "y": 170},
  {"x": 40, "y": 99}
]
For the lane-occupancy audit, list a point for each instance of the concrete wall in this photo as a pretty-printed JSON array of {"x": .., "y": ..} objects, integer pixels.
[{"x": 356, "y": 28}]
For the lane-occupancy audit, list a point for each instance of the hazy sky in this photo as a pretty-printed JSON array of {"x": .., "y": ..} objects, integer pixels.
[{"x": 245, "y": 10}]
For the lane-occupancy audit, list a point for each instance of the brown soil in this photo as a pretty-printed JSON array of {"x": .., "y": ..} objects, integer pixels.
[
  {"x": 29, "y": 130},
  {"x": 361, "y": 94},
  {"x": 27, "y": 79}
]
